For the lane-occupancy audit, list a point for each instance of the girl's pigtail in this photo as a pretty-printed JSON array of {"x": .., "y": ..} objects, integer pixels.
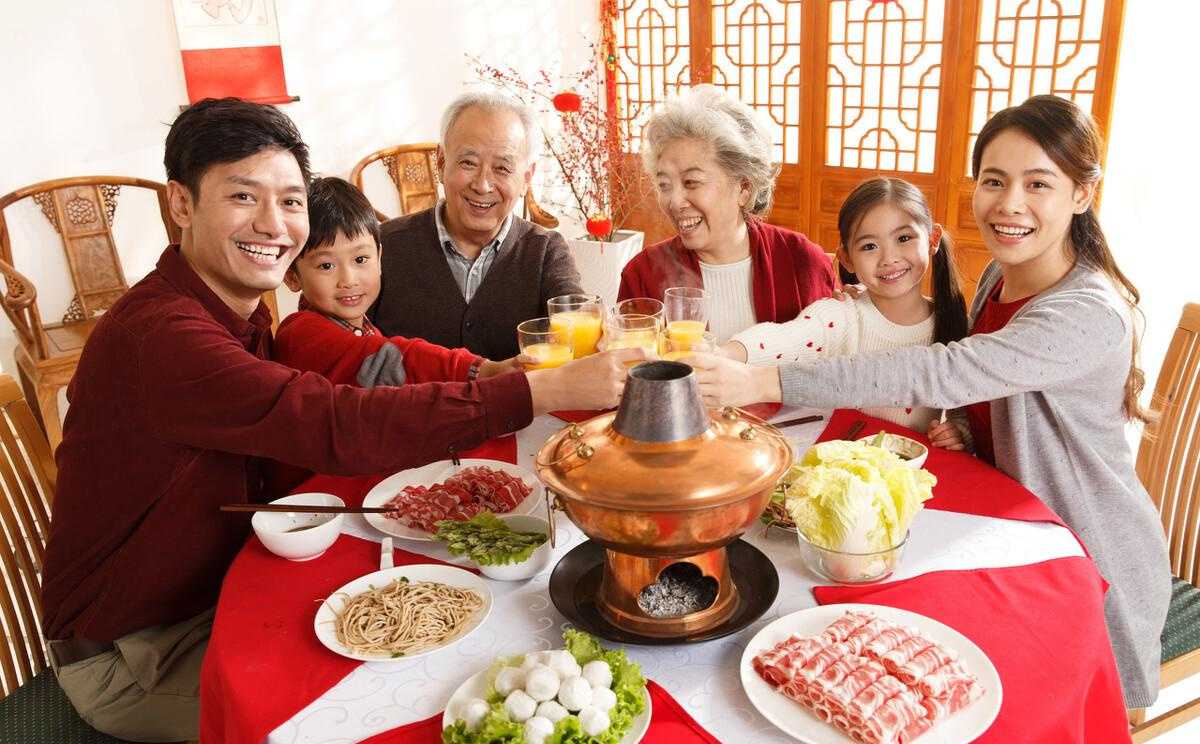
[{"x": 949, "y": 307}]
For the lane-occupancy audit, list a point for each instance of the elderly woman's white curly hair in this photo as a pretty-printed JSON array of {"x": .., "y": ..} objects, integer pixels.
[{"x": 739, "y": 135}]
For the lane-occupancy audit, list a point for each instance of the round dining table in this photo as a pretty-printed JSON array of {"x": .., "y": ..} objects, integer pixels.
[{"x": 702, "y": 677}]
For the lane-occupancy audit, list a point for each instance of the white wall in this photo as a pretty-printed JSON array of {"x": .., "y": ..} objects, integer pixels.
[
  {"x": 1149, "y": 199},
  {"x": 92, "y": 88}
]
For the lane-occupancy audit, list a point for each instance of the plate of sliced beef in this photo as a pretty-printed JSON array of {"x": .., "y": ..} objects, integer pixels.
[
  {"x": 442, "y": 490},
  {"x": 870, "y": 674}
]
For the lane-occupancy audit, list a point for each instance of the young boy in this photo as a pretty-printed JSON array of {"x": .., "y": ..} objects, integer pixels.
[{"x": 337, "y": 273}]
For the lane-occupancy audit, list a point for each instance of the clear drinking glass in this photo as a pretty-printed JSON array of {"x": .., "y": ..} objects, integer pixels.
[
  {"x": 686, "y": 314},
  {"x": 579, "y": 316},
  {"x": 537, "y": 338},
  {"x": 642, "y": 306},
  {"x": 676, "y": 347},
  {"x": 632, "y": 332}
]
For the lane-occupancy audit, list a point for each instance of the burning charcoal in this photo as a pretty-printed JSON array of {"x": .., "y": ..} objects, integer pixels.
[{"x": 680, "y": 590}]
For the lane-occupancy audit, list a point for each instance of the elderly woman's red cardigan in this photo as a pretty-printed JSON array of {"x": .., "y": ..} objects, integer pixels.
[{"x": 788, "y": 271}]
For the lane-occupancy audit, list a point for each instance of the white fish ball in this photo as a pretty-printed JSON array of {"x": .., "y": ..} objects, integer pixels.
[
  {"x": 534, "y": 658},
  {"x": 473, "y": 711},
  {"x": 541, "y": 682},
  {"x": 598, "y": 673},
  {"x": 564, "y": 663},
  {"x": 575, "y": 693},
  {"x": 537, "y": 729},
  {"x": 594, "y": 721},
  {"x": 603, "y": 698},
  {"x": 519, "y": 706},
  {"x": 509, "y": 679},
  {"x": 552, "y": 711}
]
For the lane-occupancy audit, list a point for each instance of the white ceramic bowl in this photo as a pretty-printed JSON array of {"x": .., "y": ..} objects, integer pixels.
[
  {"x": 537, "y": 561},
  {"x": 299, "y": 536},
  {"x": 911, "y": 451}
]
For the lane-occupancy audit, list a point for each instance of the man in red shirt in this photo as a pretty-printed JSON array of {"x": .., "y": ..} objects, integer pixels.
[{"x": 174, "y": 404}]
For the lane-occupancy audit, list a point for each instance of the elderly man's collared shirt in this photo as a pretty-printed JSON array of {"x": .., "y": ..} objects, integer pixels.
[{"x": 468, "y": 273}]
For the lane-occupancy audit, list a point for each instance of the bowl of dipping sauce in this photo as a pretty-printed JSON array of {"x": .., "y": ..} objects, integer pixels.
[
  {"x": 299, "y": 535},
  {"x": 912, "y": 452}
]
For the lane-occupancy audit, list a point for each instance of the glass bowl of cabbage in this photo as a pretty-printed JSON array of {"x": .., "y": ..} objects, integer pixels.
[
  {"x": 852, "y": 504},
  {"x": 850, "y": 568}
]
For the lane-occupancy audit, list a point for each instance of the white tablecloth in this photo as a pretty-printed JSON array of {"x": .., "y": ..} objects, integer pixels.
[{"x": 702, "y": 677}]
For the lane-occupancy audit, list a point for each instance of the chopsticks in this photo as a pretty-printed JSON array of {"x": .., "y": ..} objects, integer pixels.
[
  {"x": 307, "y": 509},
  {"x": 798, "y": 421},
  {"x": 855, "y": 428}
]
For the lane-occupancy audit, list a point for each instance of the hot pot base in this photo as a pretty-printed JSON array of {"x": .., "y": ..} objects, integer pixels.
[{"x": 749, "y": 589}]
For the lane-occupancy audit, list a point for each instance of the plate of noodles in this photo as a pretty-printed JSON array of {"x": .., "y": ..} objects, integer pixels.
[
  {"x": 442, "y": 490},
  {"x": 400, "y": 613}
]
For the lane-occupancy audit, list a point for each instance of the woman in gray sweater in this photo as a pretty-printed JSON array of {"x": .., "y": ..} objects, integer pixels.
[{"x": 1060, "y": 374}]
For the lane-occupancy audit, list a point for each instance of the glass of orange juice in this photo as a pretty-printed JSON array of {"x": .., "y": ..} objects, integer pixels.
[
  {"x": 549, "y": 347},
  {"x": 641, "y": 306},
  {"x": 677, "y": 347},
  {"x": 579, "y": 316},
  {"x": 686, "y": 312},
  {"x": 632, "y": 332}
]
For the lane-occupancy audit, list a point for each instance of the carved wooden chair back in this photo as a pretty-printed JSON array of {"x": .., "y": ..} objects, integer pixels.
[{"x": 81, "y": 210}]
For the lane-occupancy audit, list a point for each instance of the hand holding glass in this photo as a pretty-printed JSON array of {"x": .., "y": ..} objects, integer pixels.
[{"x": 538, "y": 339}]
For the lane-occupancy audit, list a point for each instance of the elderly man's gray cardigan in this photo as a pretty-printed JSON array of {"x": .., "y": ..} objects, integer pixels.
[{"x": 419, "y": 298}]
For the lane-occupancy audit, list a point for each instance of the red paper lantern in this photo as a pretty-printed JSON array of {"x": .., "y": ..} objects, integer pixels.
[
  {"x": 567, "y": 102},
  {"x": 599, "y": 227}
]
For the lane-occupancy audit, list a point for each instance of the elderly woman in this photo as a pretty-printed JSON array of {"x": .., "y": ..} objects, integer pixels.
[{"x": 710, "y": 157}]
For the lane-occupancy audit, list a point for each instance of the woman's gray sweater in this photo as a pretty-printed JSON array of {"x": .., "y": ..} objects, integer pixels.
[{"x": 1055, "y": 376}]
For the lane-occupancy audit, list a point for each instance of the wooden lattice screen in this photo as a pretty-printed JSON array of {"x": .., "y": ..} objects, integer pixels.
[{"x": 896, "y": 86}]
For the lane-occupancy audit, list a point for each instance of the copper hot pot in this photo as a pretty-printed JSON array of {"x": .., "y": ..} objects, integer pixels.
[{"x": 661, "y": 481}]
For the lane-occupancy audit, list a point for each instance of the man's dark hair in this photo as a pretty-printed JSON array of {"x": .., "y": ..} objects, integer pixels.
[
  {"x": 335, "y": 204},
  {"x": 225, "y": 130}
]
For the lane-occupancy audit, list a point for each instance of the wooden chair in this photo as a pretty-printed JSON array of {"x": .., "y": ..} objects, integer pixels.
[
  {"x": 33, "y": 708},
  {"x": 1168, "y": 464},
  {"x": 81, "y": 210},
  {"x": 413, "y": 170}
]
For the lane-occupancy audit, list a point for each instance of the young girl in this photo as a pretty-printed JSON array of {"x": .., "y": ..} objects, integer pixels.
[
  {"x": 888, "y": 242},
  {"x": 1053, "y": 350}
]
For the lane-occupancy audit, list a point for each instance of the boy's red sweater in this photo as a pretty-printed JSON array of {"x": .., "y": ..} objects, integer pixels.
[{"x": 311, "y": 342}]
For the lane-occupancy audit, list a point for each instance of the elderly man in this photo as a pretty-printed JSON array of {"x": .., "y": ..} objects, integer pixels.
[{"x": 467, "y": 271}]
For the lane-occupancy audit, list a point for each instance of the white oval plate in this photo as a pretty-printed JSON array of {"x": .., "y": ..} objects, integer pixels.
[
  {"x": 433, "y": 474},
  {"x": 327, "y": 612},
  {"x": 476, "y": 686},
  {"x": 795, "y": 720}
]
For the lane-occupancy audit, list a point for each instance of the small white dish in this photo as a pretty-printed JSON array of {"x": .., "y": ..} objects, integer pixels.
[
  {"x": 323, "y": 623},
  {"x": 476, "y": 687},
  {"x": 794, "y": 719},
  {"x": 433, "y": 474},
  {"x": 538, "y": 561},
  {"x": 299, "y": 535},
  {"x": 912, "y": 452}
]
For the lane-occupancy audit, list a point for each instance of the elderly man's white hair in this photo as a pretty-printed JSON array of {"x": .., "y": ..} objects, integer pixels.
[
  {"x": 740, "y": 136},
  {"x": 494, "y": 101}
]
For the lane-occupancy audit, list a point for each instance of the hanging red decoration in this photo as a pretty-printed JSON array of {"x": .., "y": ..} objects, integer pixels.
[
  {"x": 567, "y": 102},
  {"x": 599, "y": 226}
]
